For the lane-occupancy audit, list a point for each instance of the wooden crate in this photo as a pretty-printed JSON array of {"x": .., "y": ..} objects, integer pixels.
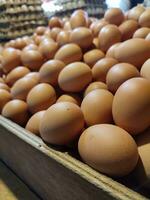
[{"x": 53, "y": 174}]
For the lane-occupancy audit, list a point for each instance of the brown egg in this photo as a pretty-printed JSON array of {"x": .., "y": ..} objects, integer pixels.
[
  {"x": 37, "y": 39},
  {"x": 92, "y": 56},
  {"x": 70, "y": 97},
  {"x": 34, "y": 75},
  {"x": 101, "y": 68},
  {"x": 75, "y": 77},
  {"x": 96, "y": 42},
  {"x": 97, "y": 107},
  {"x": 17, "y": 111},
  {"x": 93, "y": 86},
  {"x": 134, "y": 51},
  {"x": 108, "y": 36},
  {"x": 120, "y": 73},
  {"x": 144, "y": 20},
  {"x": 54, "y": 22},
  {"x": 4, "y": 86},
  {"x": 11, "y": 59},
  {"x": 78, "y": 20},
  {"x": 61, "y": 123},
  {"x": 47, "y": 33},
  {"x": 136, "y": 12},
  {"x": 131, "y": 109},
  {"x": 50, "y": 70},
  {"x": 48, "y": 49},
  {"x": 81, "y": 36},
  {"x": 40, "y": 30},
  {"x": 30, "y": 47},
  {"x": 16, "y": 74},
  {"x": 111, "y": 51},
  {"x": 114, "y": 16},
  {"x": 5, "y": 97},
  {"x": 148, "y": 37},
  {"x": 145, "y": 70},
  {"x": 127, "y": 29},
  {"x": 69, "y": 53},
  {"x": 108, "y": 149},
  {"x": 98, "y": 26},
  {"x": 41, "y": 97},
  {"x": 54, "y": 33},
  {"x": 141, "y": 32},
  {"x": 33, "y": 125},
  {"x": 63, "y": 38},
  {"x": 32, "y": 59},
  {"x": 67, "y": 26},
  {"x": 22, "y": 87},
  {"x": 19, "y": 43}
]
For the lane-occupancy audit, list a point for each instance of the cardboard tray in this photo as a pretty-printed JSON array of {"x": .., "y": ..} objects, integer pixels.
[{"x": 53, "y": 174}]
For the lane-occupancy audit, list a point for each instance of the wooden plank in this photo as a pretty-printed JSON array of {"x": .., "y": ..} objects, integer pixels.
[{"x": 52, "y": 174}]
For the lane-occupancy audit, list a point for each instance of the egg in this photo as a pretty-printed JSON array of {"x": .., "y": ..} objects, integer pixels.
[
  {"x": 16, "y": 74},
  {"x": 40, "y": 30},
  {"x": 54, "y": 22},
  {"x": 41, "y": 97},
  {"x": 108, "y": 149},
  {"x": 111, "y": 51},
  {"x": 144, "y": 20},
  {"x": 96, "y": 42},
  {"x": 93, "y": 86},
  {"x": 78, "y": 20},
  {"x": 98, "y": 25},
  {"x": 48, "y": 49},
  {"x": 50, "y": 70},
  {"x": 97, "y": 107},
  {"x": 101, "y": 67},
  {"x": 118, "y": 74},
  {"x": 109, "y": 35},
  {"x": 5, "y": 97},
  {"x": 136, "y": 12},
  {"x": 61, "y": 123},
  {"x": 128, "y": 28},
  {"x": 63, "y": 38},
  {"x": 67, "y": 26},
  {"x": 70, "y": 97},
  {"x": 69, "y": 53},
  {"x": 92, "y": 56},
  {"x": 21, "y": 88},
  {"x": 30, "y": 47},
  {"x": 54, "y": 32},
  {"x": 33, "y": 124},
  {"x": 81, "y": 36},
  {"x": 75, "y": 77},
  {"x": 37, "y": 39},
  {"x": 145, "y": 70},
  {"x": 17, "y": 111},
  {"x": 141, "y": 32},
  {"x": 134, "y": 51},
  {"x": 32, "y": 59},
  {"x": 34, "y": 75},
  {"x": 131, "y": 109},
  {"x": 11, "y": 59},
  {"x": 114, "y": 16},
  {"x": 19, "y": 43},
  {"x": 4, "y": 86}
]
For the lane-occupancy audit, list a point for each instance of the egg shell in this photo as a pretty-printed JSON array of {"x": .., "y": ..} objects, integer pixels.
[
  {"x": 48, "y": 49},
  {"x": 97, "y": 107},
  {"x": 17, "y": 111},
  {"x": 4, "y": 87},
  {"x": 61, "y": 123},
  {"x": 144, "y": 20},
  {"x": 22, "y": 87},
  {"x": 40, "y": 30},
  {"x": 78, "y": 20},
  {"x": 70, "y": 97},
  {"x": 63, "y": 38},
  {"x": 33, "y": 124},
  {"x": 50, "y": 70},
  {"x": 75, "y": 77},
  {"x": 32, "y": 59},
  {"x": 108, "y": 149},
  {"x": 11, "y": 59},
  {"x": 109, "y": 35},
  {"x": 134, "y": 51},
  {"x": 92, "y": 56},
  {"x": 41, "y": 97},
  {"x": 82, "y": 36},
  {"x": 145, "y": 70},
  {"x": 120, "y": 73},
  {"x": 141, "y": 32},
  {"x": 5, "y": 97},
  {"x": 54, "y": 22},
  {"x": 128, "y": 28},
  {"x": 114, "y": 16},
  {"x": 131, "y": 109},
  {"x": 93, "y": 86},
  {"x": 101, "y": 67},
  {"x": 136, "y": 12},
  {"x": 16, "y": 74},
  {"x": 69, "y": 53}
]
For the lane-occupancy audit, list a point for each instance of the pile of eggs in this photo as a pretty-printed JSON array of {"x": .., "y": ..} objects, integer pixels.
[{"x": 87, "y": 80}]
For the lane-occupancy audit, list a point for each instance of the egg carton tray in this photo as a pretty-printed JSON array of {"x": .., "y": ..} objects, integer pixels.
[{"x": 55, "y": 174}]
